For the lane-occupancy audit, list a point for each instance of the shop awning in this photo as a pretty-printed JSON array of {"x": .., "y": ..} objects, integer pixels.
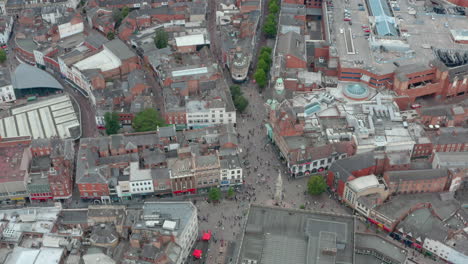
[
  {"x": 206, "y": 236},
  {"x": 197, "y": 253}
]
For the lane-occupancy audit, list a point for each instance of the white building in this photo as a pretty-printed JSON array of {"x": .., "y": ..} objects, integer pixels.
[
  {"x": 140, "y": 181},
  {"x": 207, "y": 113},
  {"x": 444, "y": 252},
  {"x": 363, "y": 186},
  {"x": 6, "y": 25},
  {"x": 231, "y": 171},
  {"x": 181, "y": 221},
  {"x": 70, "y": 26},
  {"x": 52, "y": 14},
  {"x": 7, "y": 93}
]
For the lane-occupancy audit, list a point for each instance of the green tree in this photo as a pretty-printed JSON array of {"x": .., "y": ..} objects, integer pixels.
[
  {"x": 110, "y": 35},
  {"x": 273, "y": 7},
  {"x": 269, "y": 28},
  {"x": 260, "y": 78},
  {"x": 261, "y": 64},
  {"x": 265, "y": 50},
  {"x": 112, "y": 123},
  {"x": 125, "y": 12},
  {"x": 147, "y": 120},
  {"x": 235, "y": 91},
  {"x": 240, "y": 103},
  {"x": 230, "y": 192},
  {"x": 161, "y": 38},
  {"x": 3, "y": 56},
  {"x": 266, "y": 57},
  {"x": 214, "y": 194},
  {"x": 316, "y": 185}
]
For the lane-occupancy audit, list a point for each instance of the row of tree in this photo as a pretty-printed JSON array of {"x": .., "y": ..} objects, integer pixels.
[
  {"x": 146, "y": 120},
  {"x": 214, "y": 195},
  {"x": 240, "y": 102},
  {"x": 271, "y": 21},
  {"x": 315, "y": 186},
  {"x": 263, "y": 67}
]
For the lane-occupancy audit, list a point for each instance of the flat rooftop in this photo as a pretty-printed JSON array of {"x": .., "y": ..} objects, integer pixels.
[
  {"x": 382, "y": 246},
  {"x": 400, "y": 204},
  {"x": 47, "y": 118},
  {"x": 275, "y": 235},
  {"x": 420, "y": 32},
  {"x": 12, "y": 167}
]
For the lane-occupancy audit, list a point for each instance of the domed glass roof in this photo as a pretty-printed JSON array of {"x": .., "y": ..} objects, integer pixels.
[{"x": 356, "y": 91}]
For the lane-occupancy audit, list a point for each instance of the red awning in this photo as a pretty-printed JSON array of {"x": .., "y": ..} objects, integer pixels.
[
  {"x": 197, "y": 253},
  {"x": 206, "y": 236}
]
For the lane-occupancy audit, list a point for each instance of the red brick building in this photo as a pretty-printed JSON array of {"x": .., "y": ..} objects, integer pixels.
[
  {"x": 344, "y": 170},
  {"x": 100, "y": 161},
  {"x": 54, "y": 158},
  {"x": 417, "y": 181},
  {"x": 463, "y": 3},
  {"x": 449, "y": 139}
]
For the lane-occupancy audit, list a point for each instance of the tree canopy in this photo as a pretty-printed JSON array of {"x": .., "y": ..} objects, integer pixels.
[
  {"x": 3, "y": 56},
  {"x": 230, "y": 192},
  {"x": 119, "y": 15},
  {"x": 235, "y": 90},
  {"x": 147, "y": 120},
  {"x": 273, "y": 7},
  {"x": 110, "y": 35},
  {"x": 161, "y": 39},
  {"x": 112, "y": 123},
  {"x": 316, "y": 185},
  {"x": 240, "y": 102},
  {"x": 269, "y": 27},
  {"x": 214, "y": 194},
  {"x": 260, "y": 78},
  {"x": 261, "y": 64}
]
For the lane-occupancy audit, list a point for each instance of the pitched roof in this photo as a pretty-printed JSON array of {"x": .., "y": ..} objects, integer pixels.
[
  {"x": 119, "y": 49},
  {"x": 343, "y": 168},
  {"x": 292, "y": 43},
  {"x": 414, "y": 175}
]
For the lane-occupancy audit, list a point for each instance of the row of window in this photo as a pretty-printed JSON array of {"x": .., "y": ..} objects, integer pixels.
[
  {"x": 143, "y": 189},
  {"x": 316, "y": 163},
  {"x": 206, "y": 121},
  {"x": 141, "y": 183},
  {"x": 232, "y": 177},
  {"x": 212, "y": 116},
  {"x": 211, "y": 181}
]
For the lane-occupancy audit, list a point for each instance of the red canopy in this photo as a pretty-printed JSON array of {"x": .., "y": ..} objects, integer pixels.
[
  {"x": 206, "y": 236},
  {"x": 197, "y": 253}
]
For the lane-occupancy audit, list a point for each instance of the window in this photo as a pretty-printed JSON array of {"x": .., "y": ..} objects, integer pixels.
[
  {"x": 315, "y": 164},
  {"x": 232, "y": 172},
  {"x": 238, "y": 171},
  {"x": 322, "y": 162},
  {"x": 329, "y": 160}
]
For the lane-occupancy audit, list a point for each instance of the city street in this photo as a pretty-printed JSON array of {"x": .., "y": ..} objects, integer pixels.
[{"x": 227, "y": 217}]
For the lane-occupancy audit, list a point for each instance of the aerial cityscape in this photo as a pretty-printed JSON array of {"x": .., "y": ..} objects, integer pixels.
[{"x": 233, "y": 131}]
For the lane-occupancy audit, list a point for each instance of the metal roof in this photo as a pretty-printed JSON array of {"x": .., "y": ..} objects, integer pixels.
[
  {"x": 26, "y": 76},
  {"x": 385, "y": 22}
]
